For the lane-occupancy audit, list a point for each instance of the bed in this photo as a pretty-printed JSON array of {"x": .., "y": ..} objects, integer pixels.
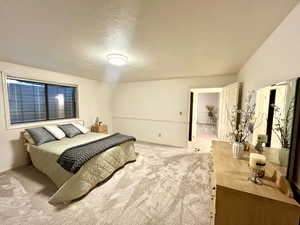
[{"x": 75, "y": 185}]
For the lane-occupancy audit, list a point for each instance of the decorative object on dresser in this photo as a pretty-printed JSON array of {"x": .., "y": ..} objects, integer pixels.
[
  {"x": 102, "y": 128},
  {"x": 238, "y": 150},
  {"x": 241, "y": 131},
  {"x": 257, "y": 163},
  {"x": 261, "y": 139},
  {"x": 240, "y": 202},
  {"x": 247, "y": 146}
]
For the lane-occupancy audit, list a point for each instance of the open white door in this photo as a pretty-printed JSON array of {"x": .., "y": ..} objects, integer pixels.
[
  {"x": 261, "y": 112},
  {"x": 228, "y": 99}
]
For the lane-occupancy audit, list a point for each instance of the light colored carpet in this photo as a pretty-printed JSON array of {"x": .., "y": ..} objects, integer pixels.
[
  {"x": 165, "y": 186},
  {"x": 205, "y": 135}
]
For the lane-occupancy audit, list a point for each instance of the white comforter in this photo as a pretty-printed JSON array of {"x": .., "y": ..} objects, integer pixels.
[{"x": 72, "y": 186}]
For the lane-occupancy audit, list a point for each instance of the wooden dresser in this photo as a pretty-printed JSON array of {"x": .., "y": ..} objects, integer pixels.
[{"x": 240, "y": 202}]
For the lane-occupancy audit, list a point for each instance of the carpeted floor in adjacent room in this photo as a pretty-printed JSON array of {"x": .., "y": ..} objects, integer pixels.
[{"x": 165, "y": 186}]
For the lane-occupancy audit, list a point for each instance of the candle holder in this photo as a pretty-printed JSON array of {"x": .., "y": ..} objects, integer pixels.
[{"x": 256, "y": 173}]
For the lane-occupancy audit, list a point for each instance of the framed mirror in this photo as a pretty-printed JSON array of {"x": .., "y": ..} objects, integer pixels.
[{"x": 274, "y": 115}]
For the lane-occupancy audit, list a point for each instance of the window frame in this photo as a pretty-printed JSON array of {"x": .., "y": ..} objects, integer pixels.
[{"x": 9, "y": 125}]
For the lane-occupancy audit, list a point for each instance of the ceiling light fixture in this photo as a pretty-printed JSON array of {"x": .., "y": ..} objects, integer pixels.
[{"x": 117, "y": 59}]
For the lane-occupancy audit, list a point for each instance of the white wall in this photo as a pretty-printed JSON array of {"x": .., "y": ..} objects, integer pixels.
[
  {"x": 278, "y": 59},
  {"x": 94, "y": 100},
  {"x": 205, "y": 99},
  {"x": 147, "y": 109}
]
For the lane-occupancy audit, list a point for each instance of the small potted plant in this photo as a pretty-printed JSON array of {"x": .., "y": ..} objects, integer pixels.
[{"x": 240, "y": 123}]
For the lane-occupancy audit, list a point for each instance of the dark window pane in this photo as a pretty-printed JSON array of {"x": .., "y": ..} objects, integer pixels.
[
  {"x": 26, "y": 101},
  {"x": 32, "y": 101},
  {"x": 61, "y": 102}
]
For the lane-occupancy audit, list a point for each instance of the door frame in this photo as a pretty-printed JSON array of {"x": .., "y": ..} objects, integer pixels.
[
  {"x": 194, "y": 92},
  {"x": 191, "y": 116}
]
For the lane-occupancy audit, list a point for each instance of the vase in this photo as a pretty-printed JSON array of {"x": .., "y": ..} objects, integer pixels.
[
  {"x": 238, "y": 150},
  {"x": 284, "y": 157}
]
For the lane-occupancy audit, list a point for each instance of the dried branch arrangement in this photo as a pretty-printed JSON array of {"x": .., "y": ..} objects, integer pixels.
[{"x": 241, "y": 119}]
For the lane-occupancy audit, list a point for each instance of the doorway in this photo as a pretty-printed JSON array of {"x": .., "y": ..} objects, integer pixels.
[
  {"x": 270, "y": 116},
  {"x": 204, "y": 117}
]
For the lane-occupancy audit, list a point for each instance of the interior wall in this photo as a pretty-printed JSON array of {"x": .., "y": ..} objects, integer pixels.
[
  {"x": 205, "y": 99},
  {"x": 277, "y": 59},
  {"x": 158, "y": 111},
  {"x": 94, "y": 100}
]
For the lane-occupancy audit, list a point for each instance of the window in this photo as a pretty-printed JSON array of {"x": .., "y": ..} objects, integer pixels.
[{"x": 33, "y": 101}]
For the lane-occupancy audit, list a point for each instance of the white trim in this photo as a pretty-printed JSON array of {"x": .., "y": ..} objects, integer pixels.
[
  {"x": 10, "y": 126},
  {"x": 135, "y": 118},
  {"x": 5, "y": 100},
  {"x": 43, "y": 123},
  {"x": 206, "y": 90},
  {"x": 37, "y": 80}
]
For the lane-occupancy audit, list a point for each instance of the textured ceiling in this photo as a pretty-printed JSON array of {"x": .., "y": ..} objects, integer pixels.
[{"x": 162, "y": 38}]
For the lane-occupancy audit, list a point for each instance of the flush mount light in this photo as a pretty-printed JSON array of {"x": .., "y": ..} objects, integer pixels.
[{"x": 117, "y": 59}]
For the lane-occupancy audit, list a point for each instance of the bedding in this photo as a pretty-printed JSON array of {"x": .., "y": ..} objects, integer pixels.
[
  {"x": 97, "y": 169},
  {"x": 70, "y": 130},
  {"x": 83, "y": 129},
  {"x": 55, "y": 131},
  {"x": 73, "y": 158},
  {"x": 40, "y": 135}
]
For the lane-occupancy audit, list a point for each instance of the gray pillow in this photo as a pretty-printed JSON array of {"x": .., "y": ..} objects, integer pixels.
[
  {"x": 40, "y": 135},
  {"x": 70, "y": 130}
]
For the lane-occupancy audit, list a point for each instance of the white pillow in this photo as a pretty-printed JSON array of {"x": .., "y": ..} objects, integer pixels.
[
  {"x": 83, "y": 129},
  {"x": 55, "y": 131}
]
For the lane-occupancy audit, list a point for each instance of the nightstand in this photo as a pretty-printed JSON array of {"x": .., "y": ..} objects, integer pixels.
[{"x": 100, "y": 129}]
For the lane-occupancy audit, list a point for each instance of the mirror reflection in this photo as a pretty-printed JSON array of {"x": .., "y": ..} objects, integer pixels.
[{"x": 274, "y": 122}]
